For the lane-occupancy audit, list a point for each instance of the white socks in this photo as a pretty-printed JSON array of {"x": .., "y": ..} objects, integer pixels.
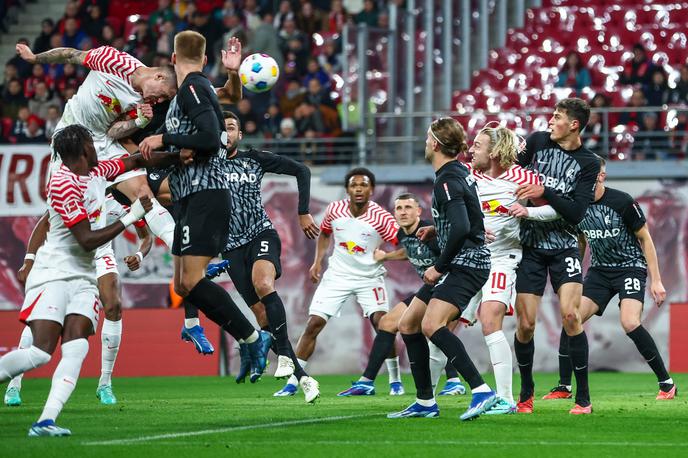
[
  {"x": 426, "y": 402},
  {"x": 65, "y": 377},
  {"x": 293, "y": 380},
  {"x": 25, "y": 341},
  {"x": 252, "y": 338},
  {"x": 191, "y": 322},
  {"x": 19, "y": 361},
  {"x": 438, "y": 361},
  {"x": 161, "y": 223},
  {"x": 110, "y": 337},
  {"x": 500, "y": 355},
  {"x": 393, "y": 369}
]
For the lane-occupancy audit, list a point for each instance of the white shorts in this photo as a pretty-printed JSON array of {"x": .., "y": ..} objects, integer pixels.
[
  {"x": 107, "y": 148},
  {"x": 333, "y": 292},
  {"x": 500, "y": 287},
  {"x": 106, "y": 263},
  {"x": 55, "y": 300}
]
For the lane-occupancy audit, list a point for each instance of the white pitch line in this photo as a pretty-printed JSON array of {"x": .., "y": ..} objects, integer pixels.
[{"x": 228, "y": 429}]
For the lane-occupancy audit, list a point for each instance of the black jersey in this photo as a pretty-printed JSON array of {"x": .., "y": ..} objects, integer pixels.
[
  {"x": 420, "y": 254},
  {"x": 196, "y": 104},
  {"x": 609, "y": 227},
  {"x": 245, "y": 172},
  {"x": 455, "y": 202},
  {"x": 569, "y": 179}
]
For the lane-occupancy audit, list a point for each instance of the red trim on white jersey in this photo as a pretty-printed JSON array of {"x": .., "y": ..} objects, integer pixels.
[
  {"x": 107, "y": 59},
  {"x": 381, "y": 220},
  {"x": 519, "y": 175}
]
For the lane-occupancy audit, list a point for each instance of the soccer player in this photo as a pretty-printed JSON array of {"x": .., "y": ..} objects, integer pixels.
[
  {"x": 421, "y": 255},
  {"x": 201, "y": 190},
  {"x": 254, "y": 247},
  {"x": 459, "y": 272},
  {"x": 61, "y": 294},
  {"x": 567, "y": 173},
  {"x": 622, "y": 254},
  {"x": 358, "y": 226}
]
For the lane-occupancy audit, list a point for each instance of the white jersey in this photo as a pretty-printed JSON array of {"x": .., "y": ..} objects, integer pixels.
[
  {"x": 105, "y": 94},
  {"x": 355, "y": 239},
  {"x": 496, "y": 196},
  {"x": 71, "y": 199}
]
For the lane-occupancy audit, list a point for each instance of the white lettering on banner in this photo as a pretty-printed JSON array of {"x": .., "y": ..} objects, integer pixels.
[{"x": 23, "y": 174}]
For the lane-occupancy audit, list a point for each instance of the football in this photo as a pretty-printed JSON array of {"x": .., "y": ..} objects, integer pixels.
[{"x": 258, "y": 72}]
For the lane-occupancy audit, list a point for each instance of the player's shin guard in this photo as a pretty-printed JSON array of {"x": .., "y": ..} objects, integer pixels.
[
  {"x": 19, "y": 361},
  {"x": 438, "y": 361},
  {"x": 578, "y": 348},
  {"x": 565, "y": 368},
  {"x": 647, "y": 347},
  {"x": 500, "y": 356},
  {"x": 382, "y": 345},
  {"x": 277, "y": 317},
  {"x": 161, "y": 223},
  {"x": 419, "y": 360},
  {"x": 525, "y": 353},
  {"x": 110, "y": 337},
  {"x": 25, "y": 342},
  {"x": 217, "y": 305},
  {"x": 456, "y": 354},
  {"x": 65, "y": 377}
]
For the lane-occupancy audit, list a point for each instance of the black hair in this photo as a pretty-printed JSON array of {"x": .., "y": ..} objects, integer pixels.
[
  {"x": 359, "y": 171},
  {"x": 577, "y": 109},
  {"x": 69, "y": 143},
  {"x": 231, "y": 115}
]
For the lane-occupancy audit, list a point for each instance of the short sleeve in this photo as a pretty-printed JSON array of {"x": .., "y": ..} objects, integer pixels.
[
  {"x": 109, "y": 60},
  {"x": 109, "y": 169},
  {"x": 633, "y": 216},
  {"x": 326, "y": 225},
  {"x": 389, "y": 228},
  {"x": 66, "y": 199}
]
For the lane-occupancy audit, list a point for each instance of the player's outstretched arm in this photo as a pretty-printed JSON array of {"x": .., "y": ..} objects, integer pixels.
[
  {"x": 231, "y": 59},
  {"x": 157, "y": 159},
  {"x": 53, "y": 56},
  {"x": 396, "y": 255},
  {"x": 134, "y": 261},
  {"x": 36, "y": 240},
  {"x": 657, "y": 289}
]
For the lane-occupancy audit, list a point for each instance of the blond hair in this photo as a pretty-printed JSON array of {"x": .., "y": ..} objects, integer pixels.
[
  {"x": 189, "y": 46},
  {"x": 449, "y": 133},
  {"x": 504, "y": 145}
]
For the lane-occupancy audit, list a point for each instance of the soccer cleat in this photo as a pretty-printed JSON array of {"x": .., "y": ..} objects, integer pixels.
[
  {"x": 105, "y": 394},
  {"x": 452, "y": 389},
  {"x": 396, "y": 389},
  {"x": 416, "y": 410},
  {"x": 479, "y": 404},
  {"x": 661, "y": 396},
  {"x": 215, "y": 270},
  {"x": 12, "y": 397},
  {"x": 287, "y": 390},
  {"x": 579, "y": 410},
  {"x": 311, "y": 388},
  {"x": 558, "y": 392},
  {"x": 501, "y": 407},
  {"x": 525, "y": 406},
  {"x": 258, "y": 352},
  {"x": 359, "y": 388},
  {"x": 285, "y": 367},
  {"x": 48, "y": 428},
  {"x": 245, "y": 365},
  {"x": 196, "y": 335}
]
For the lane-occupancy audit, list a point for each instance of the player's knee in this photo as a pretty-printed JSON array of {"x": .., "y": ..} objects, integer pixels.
[
  {"x": 314, "y": 327},
  {"x": 526, "y": 327},
  {"x": 263, "y": 286},
  {"x": 629, "y": 324},
  {"x": 185, "y": 286},
  {"x": 429, "y": 327},
  {"x": 112, "y": 307},
  {"x": 490, "y": 326},
  {"x": 388, "y": 323}
]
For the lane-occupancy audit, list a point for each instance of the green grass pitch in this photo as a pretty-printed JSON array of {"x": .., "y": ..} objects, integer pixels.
[{"x": 212, "y": 416}]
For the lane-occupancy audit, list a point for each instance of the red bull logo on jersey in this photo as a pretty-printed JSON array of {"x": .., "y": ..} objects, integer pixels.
[
  {"x": 352, "y": 247},
  {"x": 110, "y": 104},
  {"x": 494, "y": 207}
]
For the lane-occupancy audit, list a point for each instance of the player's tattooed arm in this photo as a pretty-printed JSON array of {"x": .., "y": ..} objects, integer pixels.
[
  {"x": 128, "y": 123},
  {"x": 53, "y": 56}
]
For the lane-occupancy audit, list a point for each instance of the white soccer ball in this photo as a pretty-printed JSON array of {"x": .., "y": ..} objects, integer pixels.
[{"x": 258, "y": 72}]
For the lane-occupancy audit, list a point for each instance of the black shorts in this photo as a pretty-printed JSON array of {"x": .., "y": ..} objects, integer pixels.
[
  {"x": 424, "y": 294},
  {"x": 459, "y": 285},
  {"x": 265, "y": 246},
  {"x": 563, "y": 266},
  {"x": 601, "y": 285},
  {"x": 202, "y": 223},
  {"x": 156, "y": 177}
]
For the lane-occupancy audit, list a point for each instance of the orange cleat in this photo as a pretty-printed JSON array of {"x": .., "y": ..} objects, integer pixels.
[
  {"x": 578, "y": 410},
  {"x": 525, "y": 406},
  {"x": 558, "y": 392},
  {"x": 666, "y": 395}
]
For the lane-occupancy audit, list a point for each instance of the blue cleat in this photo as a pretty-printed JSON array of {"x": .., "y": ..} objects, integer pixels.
[
  {"x": 48, "y": 428},
  {"x": 196, "y": 335},
  {"x": 215, "y": 270},
  {"x": 359, "y": 389},
  {"x": 245, "y": 366},
  {"x": 105, "y": 394},
  {"x": 396, "y": 389},
  {"x": 479, "y": 404},
  {"x": 258, "y": 353},
  {"x": 287, "y": 390},
  {"x": 501, "y": 407},
  {"x": 452, "y": 389},
  {"x": 12, "y": 397},
  {"x": 416, "y": 410}
]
